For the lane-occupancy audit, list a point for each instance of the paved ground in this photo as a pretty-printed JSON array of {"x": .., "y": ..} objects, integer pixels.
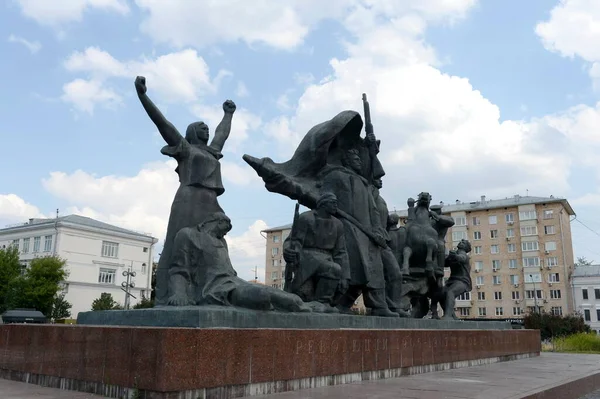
[{"x": 506, "y": 380}]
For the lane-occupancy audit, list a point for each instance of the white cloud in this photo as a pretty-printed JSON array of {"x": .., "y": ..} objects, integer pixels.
[
  {"x": 32, "y": 46},
  {"x": 53, "y": 13},
  {"x": 84, "y": 95},
  {"x": 14, "y": 209},
  {"x": 241, "y": 90},
  {"x": 240, "y": 175},
  {"x": 247, "y": 251}
]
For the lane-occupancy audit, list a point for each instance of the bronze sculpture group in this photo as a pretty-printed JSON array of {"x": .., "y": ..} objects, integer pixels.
[{"x": 346, "y": 245}]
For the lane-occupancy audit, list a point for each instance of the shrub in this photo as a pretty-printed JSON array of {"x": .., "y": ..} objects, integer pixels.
[
  {"x": 551, "y": 326},
  {"x": 581, "y": 342}
]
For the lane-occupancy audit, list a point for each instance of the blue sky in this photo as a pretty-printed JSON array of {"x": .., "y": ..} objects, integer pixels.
[{"x": 469, "y": 98}]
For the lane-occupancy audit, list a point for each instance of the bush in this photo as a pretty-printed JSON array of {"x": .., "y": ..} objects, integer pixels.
[
  {"x": 105, "y": 302},
  {"x": 145, "y": 303},
  {"x": 577, "y": 343},
  {"x": 552, "y": 326}
]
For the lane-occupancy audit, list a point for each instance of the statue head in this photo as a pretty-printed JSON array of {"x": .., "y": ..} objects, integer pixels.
[
  {"x": 351, "y": 160},
  {"x": 328, "y": 202},
  {"x": 197, "y": 133},
  {"x": 217, "y": 223},
  {"x": 378, "y": 183},
  {"x": 436, "y": 208},
  {"x": 465, "y": 245},
  {"x": 424, "y": 199},
  {"x": 392, "y": 220}
]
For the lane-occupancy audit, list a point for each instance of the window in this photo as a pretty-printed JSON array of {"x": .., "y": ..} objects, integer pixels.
[
  {"x": 110, "y": 249},
  {"x": 584, "y": 293},
  {"x": 479, "y": 265},
  {"x": 499, "y": 312},
  {"x": 597, "y": 314},
  {"x": 274, "y": 275},
  {"x": 477, "y": 235},
  {"x": 495, "y": 249},
  {"x": 498, "y": 295},
  {"x": 466, "y": 296},
  {"x": 554, "y": 278},
  {"x": 533, "y": 278},
  {"x": 47, "y": 243},
  {"x": 555, "y": 294},
  {"x": 460, "y": 221},
  {"x": 477, "y": 250},
  {"x": 512, "y": 248},
  {"x": 533, "y": 261},
  {"x": 481, "y": 296},
  {"x": 509, "y": 217},
  {"x": 549, "y": 230},
  {"x": 550, "y": 246},
  {"x": 106, "y": 276},
  {"x": 275, "y": 262},
  {"x": 548, "y": 214},
  {"x": 517, "y": 311},
  {"x": 516, "y": 295},
  {"x": 36, "y": 244},
  {"x": 496, "y": 264},
  {"x": 529, "y": 231},
  {"x": 493, "y": 219},
  {"x": 597, "y": 293},
  {"x": 556, "y": 310},
  {"x": 514, "y": 279},
  {"x": 145, "y": 249},
  {"x": 527, "y": 215},
  {"x": 15, "y": 243},
  {"x": 531, "y": 294},
  {"x": 493, "y": 233},
  {"x": 586, "y": 315},
  {"x": 510, "y": 233},
  {"x": 476, "y": 221},
  {"x": 276, "y": 238},
  {"x": 479, "y": 280},
  {"x": 552, "y": 261},
  {"x": 274, "y": 251},
  {"x": 26, "y": 245},
  {"x": 497, "y": 280},
  {"x": 482, "y": 312},
  {"x": 459, "y": 235},
  {"x": 530, "y": 246},
  {"x": 465, "y": 311},
  {"x": 512, "y": 263}
]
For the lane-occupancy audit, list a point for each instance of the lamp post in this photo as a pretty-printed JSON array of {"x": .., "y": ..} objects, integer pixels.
[
  {"x": 537, "y": 309},
  {"x": 126, "y": 285}
]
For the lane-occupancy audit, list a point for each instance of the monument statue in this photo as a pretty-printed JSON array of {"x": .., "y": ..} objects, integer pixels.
[
  {"x": 315, "y": 253},
  {"x": 459, "y": 281},
  {"x": 391, "y": 267},
  {"x": 199, "y": 173},
  {"x": 397, "y": 236},
  {"x": 201, "y": 272},
  {"x": 441, "y": 224}
]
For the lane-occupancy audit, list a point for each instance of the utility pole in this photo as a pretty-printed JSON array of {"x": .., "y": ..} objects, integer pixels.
[
  {"x": 255, "y": 270},
  {"x": 537, "y": 309},
  {"x": 127, "y": 285}
]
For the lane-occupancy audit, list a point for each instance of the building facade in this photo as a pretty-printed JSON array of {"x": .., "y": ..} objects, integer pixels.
[
  {"x": 96, "y": 255},
  {"x": 521, "y": 258},
  {"x": 586, "y": 294}
]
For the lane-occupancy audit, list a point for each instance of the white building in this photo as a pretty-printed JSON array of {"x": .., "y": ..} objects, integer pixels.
[
  {"x": 97, "y": 254},
  {"x": 586, "y": 294}
]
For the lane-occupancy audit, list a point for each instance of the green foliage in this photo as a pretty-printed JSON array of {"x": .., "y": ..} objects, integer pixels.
[
  {"x": 105, "y": 302},
  {"x": 552, "y": 326},
  {"x": 582, "y": 261},
  {"x": 145, "y": 303},
  {"x": 10, "y": 269},
  {"x": 38, "y": 288},
  {"x": 153, "y": 283},
  {"x": 61, "y": 308},
  {"x": 581, "y": 342}
]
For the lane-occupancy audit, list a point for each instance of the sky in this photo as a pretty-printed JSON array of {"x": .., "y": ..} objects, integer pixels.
[{"x": 468, "y": 98}]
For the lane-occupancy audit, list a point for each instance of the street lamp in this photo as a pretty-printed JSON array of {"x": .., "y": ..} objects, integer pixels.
[
  {"x": 537, "y": 309},
  {"x": 126, "y": 285}
]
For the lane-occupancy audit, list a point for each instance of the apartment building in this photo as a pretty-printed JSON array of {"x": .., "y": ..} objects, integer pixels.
[
  {"x": 586, "y": 294},
  {"x": 97, "y": 254},
  {"x": 274, "y": 262}
]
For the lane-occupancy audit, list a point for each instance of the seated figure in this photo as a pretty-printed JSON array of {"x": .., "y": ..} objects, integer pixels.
[
  {"x": 316, "y": 259},
  {"x": 201, "y": 273},
  {"x": 460, "y": 278}
]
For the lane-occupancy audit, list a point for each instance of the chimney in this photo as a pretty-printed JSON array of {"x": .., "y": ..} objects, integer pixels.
[{"x": 483, "y": 198}]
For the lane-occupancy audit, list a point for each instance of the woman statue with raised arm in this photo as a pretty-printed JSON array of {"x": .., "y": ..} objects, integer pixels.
[{"x": 199, "y": 173}]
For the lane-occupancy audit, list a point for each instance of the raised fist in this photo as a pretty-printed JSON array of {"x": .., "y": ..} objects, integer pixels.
[
  {"x": 140, "y": 85},
  {"x": 229, "y": 107}
]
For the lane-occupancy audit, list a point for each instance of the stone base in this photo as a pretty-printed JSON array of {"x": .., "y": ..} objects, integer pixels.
[
  {"x": 231, "y": 317},
  {"x": 167, "y": 363}
]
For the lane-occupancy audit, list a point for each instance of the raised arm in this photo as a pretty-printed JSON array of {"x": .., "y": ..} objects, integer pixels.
[
  {"x": 224, "y": 128},
  {"x": 165, "y": 128}
]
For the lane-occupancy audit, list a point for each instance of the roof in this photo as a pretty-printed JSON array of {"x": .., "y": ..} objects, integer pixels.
[
  {"x": 278, "y": 228},
  {"x": 587, "y": 271},
  {"x": 76, "y": 220},
  {"x": 484, "y": 204},
  {"x": 23, "y": 315}
]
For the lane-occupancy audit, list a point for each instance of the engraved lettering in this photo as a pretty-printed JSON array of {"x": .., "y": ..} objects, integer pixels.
[
  {"x": 298, "y": 346},
  {"x": 367, "y": 345},
  {"x": 322, "y": 346},
  {"x": 311, "y": 348},
  {"x": 334, "y": 346},
  {"x": 355, "y": 345}
]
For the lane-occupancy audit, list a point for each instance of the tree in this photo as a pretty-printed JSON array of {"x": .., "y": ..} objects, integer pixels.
[
  {"x": 61, "y": 308},
  {"x": 582, "y": 261},
  {"x": 145, "y": 303},
  {"x": 105, "y": 302},
  {"x": 39, "y": 286},
  {"x": 10, "y": 269},
  {"x": 551, "y": 326}
]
